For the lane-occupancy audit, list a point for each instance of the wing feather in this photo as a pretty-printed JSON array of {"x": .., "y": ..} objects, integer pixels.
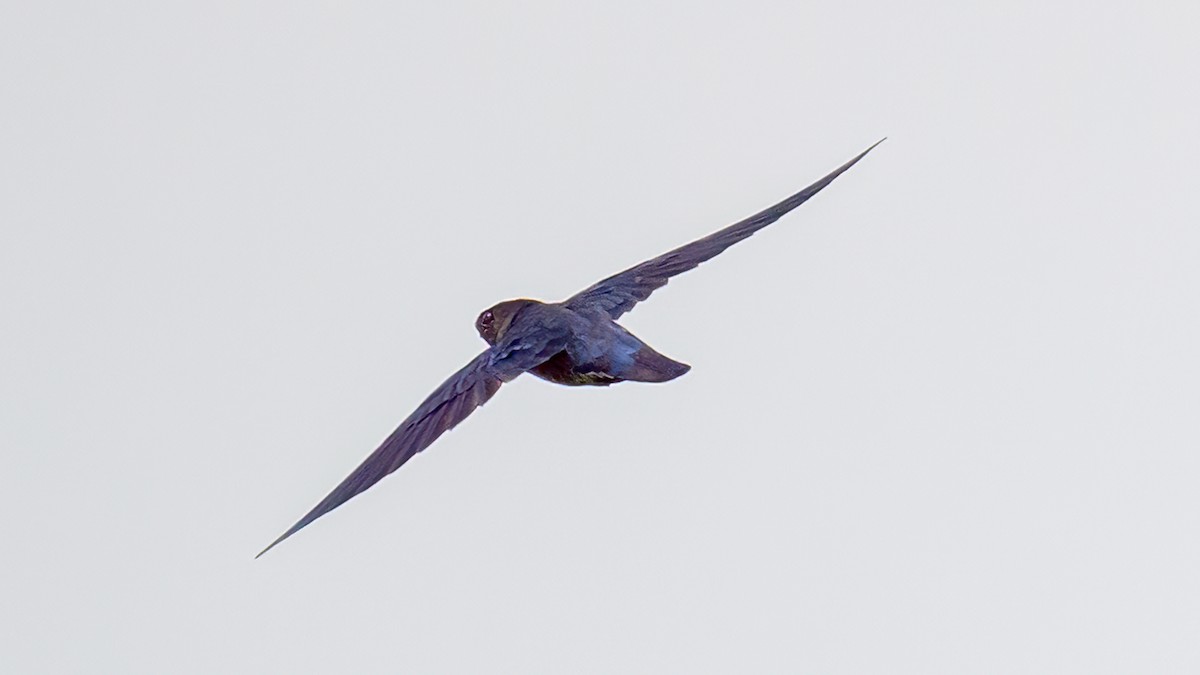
[
  {"x": 448, "y": 405},
  {"x": 619, "y": 293}
]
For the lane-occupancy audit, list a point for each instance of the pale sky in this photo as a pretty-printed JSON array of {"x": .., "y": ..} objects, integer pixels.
[{"x": 941, "y": 419}]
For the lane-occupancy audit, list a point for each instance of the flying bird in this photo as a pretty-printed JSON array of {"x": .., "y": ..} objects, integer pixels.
[{"x": 576, "y": 342}]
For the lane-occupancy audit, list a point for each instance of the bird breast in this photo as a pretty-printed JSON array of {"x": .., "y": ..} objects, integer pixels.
[{"x": 560, "y": 369}]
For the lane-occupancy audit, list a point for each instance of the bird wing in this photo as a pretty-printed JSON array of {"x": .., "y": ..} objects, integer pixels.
[
  {"x": 620, "y": 292},
  {"x": 448, "y": 405}
]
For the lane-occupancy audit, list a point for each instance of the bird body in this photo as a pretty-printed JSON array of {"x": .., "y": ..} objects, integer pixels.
[
  {"x": 606, "y": 353},
  {"x": 577, "y": 342},
  {"x": 597, "y": 350}
]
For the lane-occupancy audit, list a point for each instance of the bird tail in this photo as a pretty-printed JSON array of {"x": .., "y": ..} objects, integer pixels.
[{"x": 650, "y": 366}]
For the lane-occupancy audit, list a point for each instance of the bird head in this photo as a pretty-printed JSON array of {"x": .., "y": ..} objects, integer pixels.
[{"x": 493, "y": 323}]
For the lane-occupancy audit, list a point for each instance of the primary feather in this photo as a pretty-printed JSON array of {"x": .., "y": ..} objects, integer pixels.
[{"x": 620, "y": 292}]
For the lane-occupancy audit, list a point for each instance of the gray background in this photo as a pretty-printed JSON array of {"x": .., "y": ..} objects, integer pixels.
[{"x": 942, "y": 419}]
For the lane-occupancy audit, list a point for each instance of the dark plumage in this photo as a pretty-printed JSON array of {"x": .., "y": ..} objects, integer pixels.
[{"x": 575, "y": 342}]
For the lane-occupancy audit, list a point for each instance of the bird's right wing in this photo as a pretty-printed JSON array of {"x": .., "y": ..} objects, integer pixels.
[
  {"x": 619, "y": 293},
  {"x": 448, "y": 405}
]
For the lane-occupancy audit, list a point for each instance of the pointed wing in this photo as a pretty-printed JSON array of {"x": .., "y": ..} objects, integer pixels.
[
  {"x": 620, "y": 292},
  {"x": 448, "y": 405}
]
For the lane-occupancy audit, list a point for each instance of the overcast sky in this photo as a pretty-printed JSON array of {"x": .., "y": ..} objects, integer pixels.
[{"x": 941, "y": 419}]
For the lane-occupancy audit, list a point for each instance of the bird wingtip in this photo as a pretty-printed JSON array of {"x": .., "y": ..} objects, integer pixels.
[{"x": 272, "y": 545}]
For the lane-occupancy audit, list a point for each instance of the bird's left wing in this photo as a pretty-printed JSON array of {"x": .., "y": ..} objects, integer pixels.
[
  {"x": 619, "y": 293},
  {"x": 448, "y": 405}
]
